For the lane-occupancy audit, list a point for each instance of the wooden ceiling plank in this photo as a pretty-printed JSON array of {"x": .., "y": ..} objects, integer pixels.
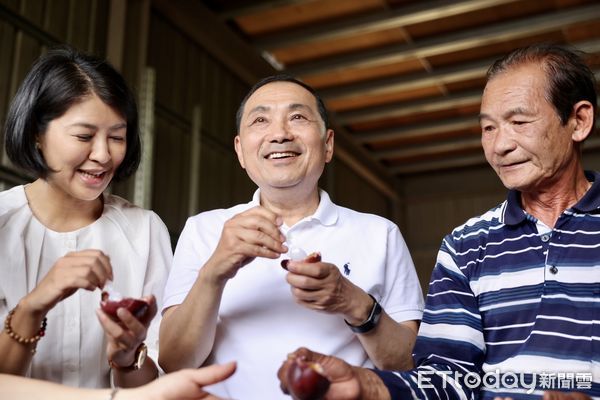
[
  {"x": 410, "y": 82},
  {"x": 348, "y": 104},
  {"x": 421, "y": 12},
  {"x": 401, "y": 110},
  {"x": 452, "y": 42},
  {"x": 452, "y": 74},
  {"x": 255, "y": 7},
  {"x": 428, "y": 105},
  {"x": 429, "y": 166},
  {"x": 309, "y": 12},
  {"x": 420, "y": 130},
  {"x": 448, "y": 146},
  {"x": 426, "y": 150},
  {"x": 459, "y": 162}
]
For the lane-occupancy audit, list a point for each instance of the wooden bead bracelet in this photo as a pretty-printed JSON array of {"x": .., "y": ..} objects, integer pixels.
[{"x": 20, "y": 339}]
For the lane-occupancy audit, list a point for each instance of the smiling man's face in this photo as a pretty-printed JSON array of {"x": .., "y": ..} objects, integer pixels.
[
  {"x": 522, "y": 135},
  {"x": 283, "y": 142}
]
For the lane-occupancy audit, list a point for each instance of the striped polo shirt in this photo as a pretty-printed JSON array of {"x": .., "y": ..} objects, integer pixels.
[{"x": 513, "y": 308}]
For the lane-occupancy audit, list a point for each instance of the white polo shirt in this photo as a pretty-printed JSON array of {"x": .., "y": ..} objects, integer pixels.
[{"x": 259, "y": 322}]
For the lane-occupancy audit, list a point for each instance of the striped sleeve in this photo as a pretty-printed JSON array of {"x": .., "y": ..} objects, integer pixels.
[{"x": 450, "y": 347}]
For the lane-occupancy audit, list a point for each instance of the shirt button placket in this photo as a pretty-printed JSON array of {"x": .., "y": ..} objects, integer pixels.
[{"x": 550, "y": 267}]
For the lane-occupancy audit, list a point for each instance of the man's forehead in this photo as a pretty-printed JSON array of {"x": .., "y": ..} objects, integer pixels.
[
  {"x": 286, "y": 107},
  {"x": 529, "y": 74},
  {"x": 289, "y": 94}
]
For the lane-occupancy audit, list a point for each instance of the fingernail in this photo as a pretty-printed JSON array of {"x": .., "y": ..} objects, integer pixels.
[{"x": 284, "y": 264}]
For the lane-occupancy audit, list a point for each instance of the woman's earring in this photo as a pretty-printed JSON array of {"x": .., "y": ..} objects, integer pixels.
[{"x": 37, "y": 145}]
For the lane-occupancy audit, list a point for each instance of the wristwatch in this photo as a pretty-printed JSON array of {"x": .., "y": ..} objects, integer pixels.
[
  {"x": 370, "y": 322},
  {"x": 138, "y": 360}
]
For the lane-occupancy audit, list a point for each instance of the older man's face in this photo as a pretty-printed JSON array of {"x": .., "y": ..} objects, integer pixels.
[
  {"x": 282, "y": 141},
  {"x": 522, "y": 135}
]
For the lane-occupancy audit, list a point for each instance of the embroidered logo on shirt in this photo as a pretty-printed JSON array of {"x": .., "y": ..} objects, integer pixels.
[{"x": 347, "y": 268}]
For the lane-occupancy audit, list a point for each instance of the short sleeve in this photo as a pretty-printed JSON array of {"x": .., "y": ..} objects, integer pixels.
[
  {"x": 190, "y": 254},
  {"x": 403, "y": 297},
  {"x": 160, "y": 257}
]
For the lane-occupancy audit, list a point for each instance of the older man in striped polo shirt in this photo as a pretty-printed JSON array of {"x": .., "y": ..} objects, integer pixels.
[{"x": 513, "y": 309}]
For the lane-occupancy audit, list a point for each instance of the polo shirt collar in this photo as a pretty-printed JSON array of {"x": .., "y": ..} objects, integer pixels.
[
  {"x": 591, "y": 199},
  {"x": 326, "y": 213},
  {"x": 514, "y": 214}
]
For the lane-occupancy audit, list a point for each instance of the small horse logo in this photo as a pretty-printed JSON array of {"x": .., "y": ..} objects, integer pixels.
[{"x": 347, "y": 268}]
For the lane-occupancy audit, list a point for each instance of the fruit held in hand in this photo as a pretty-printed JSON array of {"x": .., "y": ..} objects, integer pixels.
[
  {"x": 306, "y": 380},
  {"x": 311, "y": 258},
  {"x": 110, "y": 306}
]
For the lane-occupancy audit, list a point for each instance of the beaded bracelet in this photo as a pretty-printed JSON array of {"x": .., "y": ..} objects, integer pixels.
[{"x": 20, "y": 339}]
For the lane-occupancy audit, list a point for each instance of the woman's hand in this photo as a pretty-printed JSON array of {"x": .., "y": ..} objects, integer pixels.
[
  {"x": 125, "y": 336},
  {"x": 86, "y": 269},
  {"x": 186, "y": 384}
]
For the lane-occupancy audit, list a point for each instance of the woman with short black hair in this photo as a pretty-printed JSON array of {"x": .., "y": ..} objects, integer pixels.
[{"x": 73, "y": 124}]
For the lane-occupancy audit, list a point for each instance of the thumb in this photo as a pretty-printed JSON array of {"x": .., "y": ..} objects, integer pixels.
[{"x": 214, "y": 373}]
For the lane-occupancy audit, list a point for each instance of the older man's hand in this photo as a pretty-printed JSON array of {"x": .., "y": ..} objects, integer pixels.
[{"x": 346, "y": 382}]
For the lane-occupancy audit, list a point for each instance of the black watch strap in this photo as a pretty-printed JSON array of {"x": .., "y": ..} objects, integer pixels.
[{"x": 370, "y": 322}]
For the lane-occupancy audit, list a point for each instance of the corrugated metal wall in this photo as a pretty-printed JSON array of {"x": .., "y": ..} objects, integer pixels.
[{"x": 194, "y": 83}]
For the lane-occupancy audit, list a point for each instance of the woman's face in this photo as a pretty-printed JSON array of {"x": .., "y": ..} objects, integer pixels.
[{"x": 84, "y": 147}]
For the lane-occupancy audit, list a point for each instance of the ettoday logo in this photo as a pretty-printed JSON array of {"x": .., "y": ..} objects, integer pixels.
[{"x": 507, "y": 380}]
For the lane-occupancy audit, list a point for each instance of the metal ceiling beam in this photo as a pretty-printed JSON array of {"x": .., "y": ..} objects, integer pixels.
[
  {"x": 441, "y": 44},
  {"x": 423, "y": 12},
  {"x": 419, "y": 131},
  {"x": 417, "y": 107}
]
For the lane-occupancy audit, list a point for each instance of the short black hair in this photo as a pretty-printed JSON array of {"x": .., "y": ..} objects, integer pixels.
[
  {"x": 56, "y": 81},
  {"x": 281, "y": 78},
  {"x": 569, "y": 78}
]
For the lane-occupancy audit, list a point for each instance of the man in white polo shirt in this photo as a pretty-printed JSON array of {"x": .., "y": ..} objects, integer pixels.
[{"x": 228, "y": 297}]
